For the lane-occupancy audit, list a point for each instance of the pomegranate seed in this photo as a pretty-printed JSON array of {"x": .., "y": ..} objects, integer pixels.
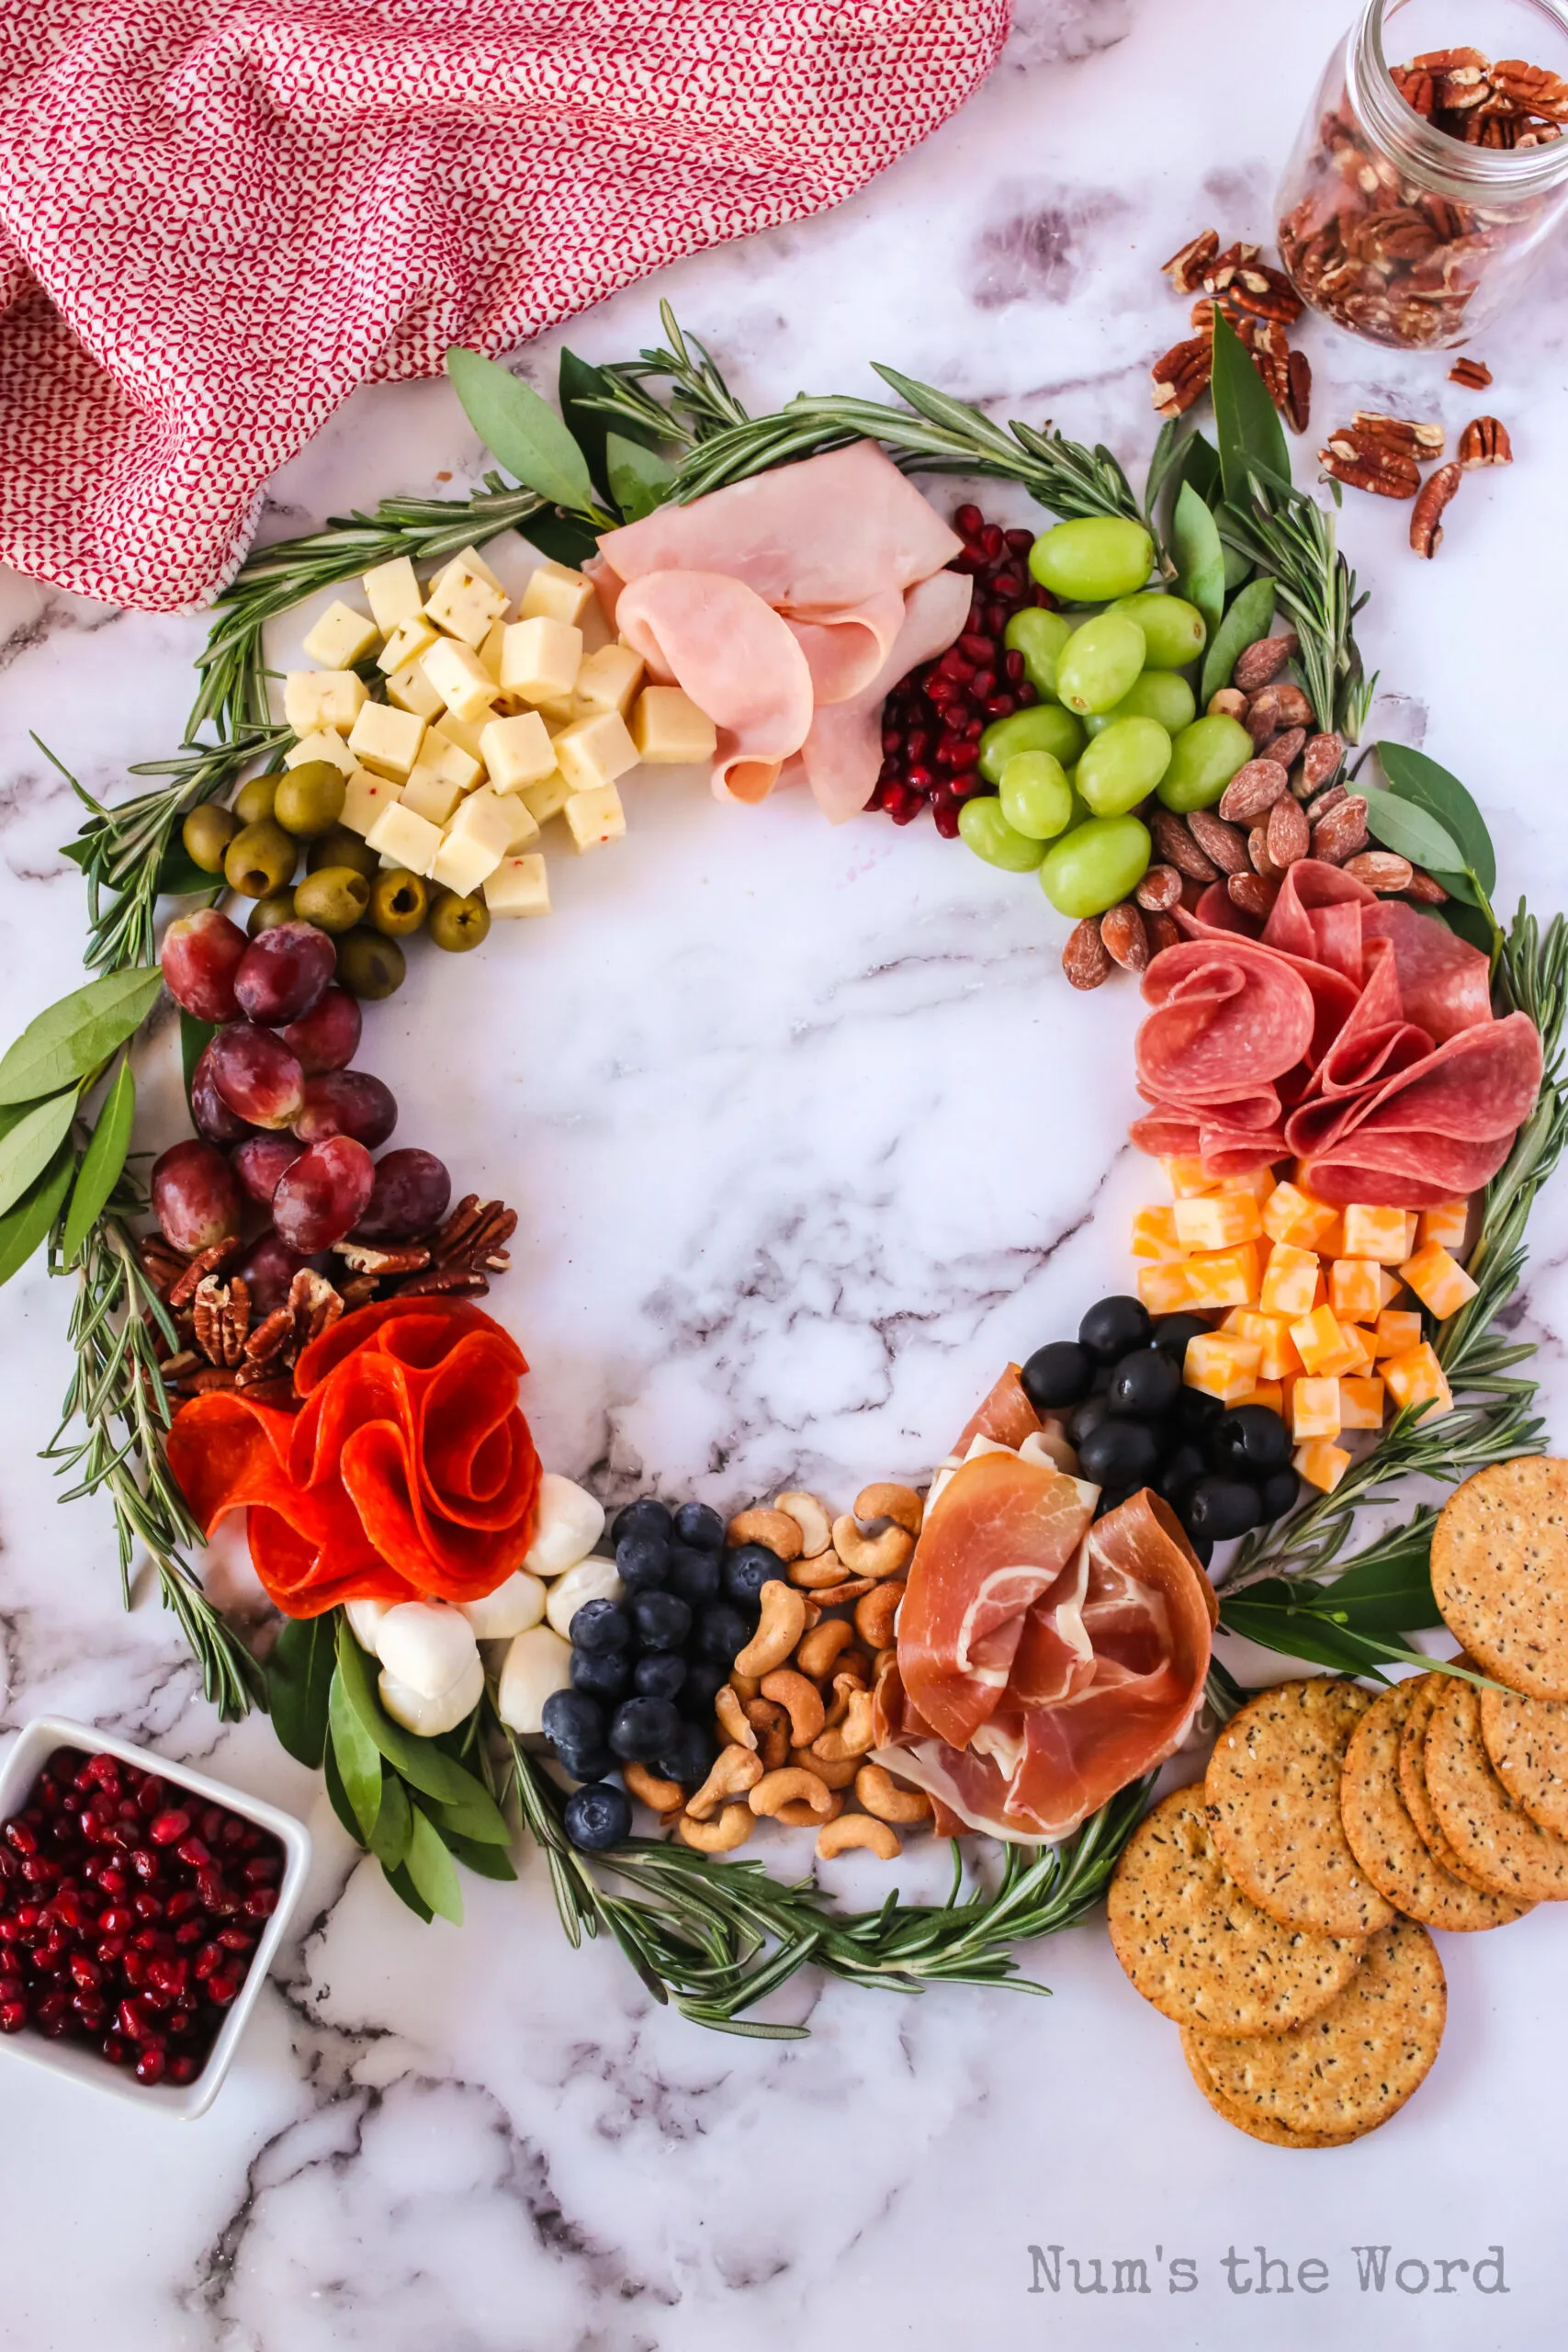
[
  {"x": 38, "y": 1873},
  {"x": 145, "y": 1863},
  {"x": 975, "y": 648},
  {"x": 150, "y": 2065},
  {"x": 109, "y": 1949},
  {"x": 908, "y": 808},
  {"x": 1019, "y": 541},
  {"x": 945, "y": 815},
  {"x": 181, "y": 1904},
  {"x": 1024, "y": 695},
  {"x": 91, "y": 2013},
  {"x": 168, "y": 1828},
  {"x": 952, "y": 665},
  {"x": 118, "y": 1919},
  {"x": 192, "y": 1850},
  {"x": 10, "y": 1931},
  {"x": 235, "y": 1940},
  {"x": 133, "y": 1967},
  {"x": 262, "y": 1904},
  {"x": 12, "y": 2015},
  {"x": 999, "y": 707},
  {"x": 967, "y": 755},
  {"x": 21, "y": 1838},
  {"x": 190, "y": 1931},
  {"x": 84, "y": 1970},
  {"x": 116, "y": 2051},
  {"x": 984, "y": 686},
  {"x": 968, "y": 520},
  {"x": 146, "y": 1907},
  {"x": 183, "y": 2067},
  {"x": 992, "y": 541},
  {"x": 112, "y": 1880},
  {"x": 210, "y": 1957},
  {"x": 223, "y": 1989}
]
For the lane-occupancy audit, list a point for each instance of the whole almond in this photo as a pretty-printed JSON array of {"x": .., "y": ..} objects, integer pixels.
[
  {"x": 1321, "y": 762},
  {"x": 1253, "y": 790},
  {"x": 1425, "y": 889},
  {"x": 1285, "y": 748},
  {"x": 1219, "y": 840},
  {"x": 1178, "y": 847},
  {"x": 1084, "y": 958},
  {"x": 1258, "y": 851},
  {"x": 1192, "y": 893},
  {"x": 1160, "y": 889},
  {"x": 1123, "y": 936},
  {"x": 1342, "y": 832},
  {"x": 1253, "y": 895},
  {"x": 1288, "y": 835},
  {"x": 1381, "y": 869},
  {"x": 1275, "y": 706},
  {"x": 1228, "y": 703},
  {"x": 1261, "y": 662},
  {"x": 1164, "y": 931},
  {"x": 1333, "y": 798}
]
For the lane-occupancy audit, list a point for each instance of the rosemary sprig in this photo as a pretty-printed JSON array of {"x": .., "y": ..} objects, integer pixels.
[{"x": 1290, "y": 536}]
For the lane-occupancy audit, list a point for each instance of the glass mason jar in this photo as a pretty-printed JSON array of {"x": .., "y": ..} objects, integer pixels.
[{"x": 1401, "y": 230}]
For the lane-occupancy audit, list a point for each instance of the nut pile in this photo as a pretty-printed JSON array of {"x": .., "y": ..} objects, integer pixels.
[
  {"x": 1386, "y": 453},
  {"x": 1260, "y": 304}
]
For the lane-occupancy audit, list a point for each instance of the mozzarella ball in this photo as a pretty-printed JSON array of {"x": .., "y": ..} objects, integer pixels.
[
  {"x": 417, "y": 1711},
  {"x": 539, "y": 1663},
  {"x": 427, "y": 1645},
  {"x": 511, "y": 1608},
  {"x": 594, "y": 1580},
  {"x": 570, "y": 1522},
  {"x": 365, "y": 1622}
]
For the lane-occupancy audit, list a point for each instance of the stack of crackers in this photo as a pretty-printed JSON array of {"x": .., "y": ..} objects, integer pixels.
[{"x": 1280, "y": 1913}]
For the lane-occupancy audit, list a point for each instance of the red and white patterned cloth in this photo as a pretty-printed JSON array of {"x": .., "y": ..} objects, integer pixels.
[{"x": 216, "y": 218}]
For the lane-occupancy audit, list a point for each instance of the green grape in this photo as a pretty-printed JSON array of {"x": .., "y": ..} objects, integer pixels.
[
  {"x": 1203, "y": 758},
  {"x": 1039, "y": 637},
  {"x": 1095, "y": 865},
  {"x": 1099, "y": 662},
  {"x": 1092, "y": 559},
  {"x": 1035, "y": 797},
  {"x": 1174, "y": 630},
  {"x": 990, "y": 836},
  {"x": 1046, "y": 727},
  {"x": 1123, "y": 766},
  {"x": 1159, "y": 693}
]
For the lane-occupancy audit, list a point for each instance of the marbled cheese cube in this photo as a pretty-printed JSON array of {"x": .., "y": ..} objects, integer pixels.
[
  {"x": 407, "y": 642},
  {"x": 517, "y": 751},
  {"x": 1389, "y": 1288},
  {"x": 608, "y": 680},
  {"x": 410, "y": 689},
  {"x": 1321, "y": 1464},
  {"x": 464, "y": 603},
  {"x": 594, "y": 818},
  {"x": 341, "y": 637},
  {"x": 1271, "y": 1393},
  {"x": 1361, "y": 1404},
  {"x": 1294, "y": 1217},
  {"x": 1278, "y": 1359},
  {"x": 461, "y": 680},
  {"x": 1224, "y": 1277},
  {"x": 1396, "y": 1331},
  {"x": 366, "y": 797},
  {"x": 1358, "y": 1338},
  {"x": 1216, "y": 1221},
  {"x": 1221, "y": 1367},
  {"x": 1187, "y": 1178},
  {"x": 1447, "y": 1225},
  {"x": 547, "y": 797},
  {"x": 555, "y": 593},
  {"x": 429, "y": 794},
  {"x": 1315, "y": 1409},
  {"x": 1153, "y": 1234},
  {"x": 1354, "y": 1290},
  {"x": 499, "y": 820},
  {"x": 1322, "y": 1346},
  {"x": 387, "y": 740},
  {"x": 669, "y": 730},
  {"x": 1290, "y": 1280},
  {"x": 462, "y": 865},
  {"x": 1416, "y": 1378},
  {"x": 1438, "y": 1281},
  {"x": 394, "y": 592},
  {"x": 1375, "y": 1233},
  {"x": 408, "y": 840},
  {"x": 323, "y": 744},
  {"x": 1258, "y": 1181},
  {"x": 540, "y": 660},
  {"x": 592, "y": 752},
  {"x": 313, "y": 698},
  {"x": 519, "y": 886}
]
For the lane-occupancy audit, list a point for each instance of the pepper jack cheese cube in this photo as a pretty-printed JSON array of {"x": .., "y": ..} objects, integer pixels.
[
  {"x": 366, "y": 796},
  {"x": 462, "y": 865},
  {"x": 464, "y": 732},
  {"x": 407, "y": 838},
  {"x": 1447, "y": 1225},
  {"x": 1153, "y": 1234},
  {"x": 1187, "y": 1178},
  {"x": 386, "y": 741},
  {"x": 1355, "y": 1289},
  {"x": 547, "y": 797},
  {"x": 1216, "y": 1221},
  {"x": 410, "y": 689},
  {"x": 313, "y": 698},
  {"x": 406, "y": 643},
  {"x": 592, "y": 752},
  {"x": 1322, "y": 1346},
  {"x": 324, "y": 744},
  {"x": 1314, "y": 1410},
  {"x": 1321, "y": 1464},
  {"x": 519, "y": 886},
  {"x": 1224, "y": 1277},
  {"x": 1221, "y": 1367},
  {"x": 429, "y": 794},
  {"x": 540, "y": 660},
  {"x": 465, "y": 602},
  {"x": 555, "y": 593},
  {"x": 461, "y": 680},
  {"x": 1416, "y": 1378},
  {"x": 449, "y": 760},
  {"x": 670, "y": 730},
  {"x": 1438, "y": 1281},
  {"x": 595, "y": 818},
  {"x": 1292, "y": 1216},
  {"x": 341, "y": 637},
  {"x": 1397, "y": 1331},
  {"x": 499, "y": 820},
  {"x": 1375, "y": 1233},
  {"x": 1361, "y": 1404},
  {"x": 608, "y": 680},
  {"x": 1278, "y": 1360},
  {"x": 394, "y": 592},
  {"x": 1290, "y": 1280},
  {"x": 517, "y": 751}
]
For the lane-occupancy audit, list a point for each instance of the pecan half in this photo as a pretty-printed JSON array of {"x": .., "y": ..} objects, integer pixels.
[
  {"x": 363, "y": 1258},
  {"x": 1186, "y": 266},
  {"x": 1259, "y": 664},
  {"x": 1381, "y": 869},
  {"x": 1180, "y": 848},
  {"x": 162, "y": 1266},
  {"x": 1260, "y": 292},
  {"x": 1296, "y": 405},
  {"x": 1181, "y": 376},
  {"x": 1408, "y": 434},
  {"x": 1159, "y": 890},
  {"x": 205, "y": 1262},
  {"x": 1532, "y": 88},
  {"x": 1123, "y": 936},
  {"x": 1253, "y": 790},
  {"x": 220, "y": 1315},
  {"x": 1425, "y": 518},
  {"x": 1361, "y": 461},
  {"x": 272, "y": 1335},
  {"x": 1224, "y": 844},
  {"x": 1342, "y": 832},
  {"x": 1084, "y": 958},
  {"x": 1221, "y": 269},
  {"x": 1473, "y": 374},
  {"x": 1484, "y": 441}
]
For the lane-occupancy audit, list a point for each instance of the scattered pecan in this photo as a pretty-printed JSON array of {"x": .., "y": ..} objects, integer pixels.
[
  {"x": 1227, "y": 702},
  {"x": 1296, "y": 406},
  {"x": 266, "y": 1387},
  {"x": 1407, "y": 434},
  {"x": 1426, "y": 888},
  {"x": 1321, "y": 760},
  {"x": 1473, "y": 374},
  {"x": 1362, "y": 461},
  {"x": 365, "y": 1258},
  {"x": 221, "y": 1312},
  {"x": 1260, "y": 292},
  {"x": 210, "y": 1377},
  {"x": 1259, "y": 664},
  {"x": 1343, "y": 831},
  {"x": 1180, "y": 848},
  {"x": 1124, "y": 937},
  {"x": 1084, "y": 958},
  {"x": 1159, "y": 890},
  {"x": 271, "y": 1337},
  {"x": 162, "y": 1266},
  {"x": 1182, "y": 376},
  {"x": 1164, "y": 931},
  {"x": 1253, "y": 895},
  {"x": 1221, "y": 269},
  {"x": 1272, "y": 707},
  {"x": 1381, "y": 869},
  {"x": 175, "y": 1367},
  {"x": 1289, "y": 836},
  {"x": 1224, "y": 844},
  {"x": 470, "y": 1245},
  {"x": 1425, "y": 523},
  {"x": 1484, "y": 441},
  {"x": 359, "y": 1290},
  {"x": 1186, "y": 266},
  {"x": 1253, "y": 790}
]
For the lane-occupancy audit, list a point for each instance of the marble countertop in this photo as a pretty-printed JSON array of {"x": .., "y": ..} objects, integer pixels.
[{"x": 807, "y": 1135}]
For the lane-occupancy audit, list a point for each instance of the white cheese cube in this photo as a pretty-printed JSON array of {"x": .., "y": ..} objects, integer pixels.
[
  {"x": 547, "y": 797},
  {"x": 498, "y": 819},
  {"x": 313, "y": 698},
  {"x": 461, "y": 680},
  {"x": 669, "y": 730},
  {"x": 594, "y": 818},
  {"x": 594, "y": 752},
  {"x": 450, "y": 762},
  {"x": 366, "y": 797},
  {"x": 407, "y": 642},
  {"x": 387, "y": 740},
  {"x": 517, "y": 751},
  {"x": 466, "y": 733},
  {"x": 556, "y": 594},
  {"x": 462, "y": 865},
  {"x": 476, "y": 563},
  {"x": 540, "y": 660},
  {"x": 608, "y": 680},
  {"x": 410, "y": 689},
  {"x": 464, "y": 602},
  {"x": 341, "y": 637},
  {"x": 429, "y": 794},
  {"x": 408, "y": 840},
  {"x": 394, "y": 592},
  {"x": 323, "y": 745},
  {"x": 519, "y": 886}
]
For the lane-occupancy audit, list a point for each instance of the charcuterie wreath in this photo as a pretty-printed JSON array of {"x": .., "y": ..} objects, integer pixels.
[{"x": 1350, "y": 1083}]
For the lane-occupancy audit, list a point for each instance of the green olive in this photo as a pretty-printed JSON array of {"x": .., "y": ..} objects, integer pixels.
[
  {"x": 310, "y": 798},
  {"x": 206, "y": 833},
  {"x": 370, "y": 966},
  {"x": 335, "y": 897},
  {"x": 458, "y": 924},
  {"x": 340, "y": 847},
  {"x": 260, "y": 860},
  {"x": 399, "y": 902},
  {"x": 267, "y": 913},
  {"x": 253, "y": 801}
]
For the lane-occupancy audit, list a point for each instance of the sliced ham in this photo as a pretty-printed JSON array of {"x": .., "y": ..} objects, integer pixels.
[
  {"x": 841, "y": 757},
  {"x": 721, "y": 644}
]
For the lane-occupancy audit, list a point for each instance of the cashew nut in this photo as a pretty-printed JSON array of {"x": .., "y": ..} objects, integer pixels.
[
  {"x": 853, "y": 1737},
  {"x": 730, "y": 1710},
  {"x": 821, "y": 1647},
  {"x": 806, "y": 1817},
  {"x": 769, "y": 1726},
  {"x": 872, "y": 1556},
  {"x": 845, "y": 1685},
  {"x": 734, "y": 1770},
  {"x": 837, "y": 1776},
  {"x": 745, "y": 1686},
  {"x": 732, "y": 1828},
  {"x": 901, "y": 1504},
  {"x": 888, "y": 1799},
  {"x": 842, "y": 1594},
  {"x": 819, "y": 1572},
  {"x": 775, "y": 1530},
  {"x": 816, "y": 1531},
  {"x": 858, "y": 1829},
  {"x": 782, "y": 1625},
  {"x": 791, "y": 1785},
  {"x": 875, "y": 1615},
  {"x": 800, "y": 1700},
  {"x": 664, "y": 1796}
]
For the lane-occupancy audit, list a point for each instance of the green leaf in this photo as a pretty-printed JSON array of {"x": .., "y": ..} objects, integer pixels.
[
  {"x": 1238, "y": 569},
  {"x": 486, "y": 1861},
  {"x": 1246, "y": 620},
  {"x": 338, "y": 1796},
  {"x": 1467, "y": 923},
  {"x": 1391, "y": 1595},
  {"x": 1405, "y": 827},
  {"x": 640, "y": 478},
  {"x": 403, "y": 1887},
  {"x": 101, "y": 1163},
  {"x": 1168, "y": 456},
  {"x": 1201, "y": 467},
  {"x": 394, "y": 1824},
  {"x": 30, "y": 1142},
  {"x": 524, "y": 431},
  {"x": 429, "y": 1865},
  {"x": 1301, "y": 1632},
  {"x": 420, "y": 1762},
  {"x": 358, "y": 1757},
  {"x": 560, "y": 537},
  {"x": 479, "y": 1819},
  {"x": 1414, "y": 776},
  {"x": 24, "y": 1226},
  {"x": 577, "y": 384},
  {"x": 299, "y": 1679},
  {"x": 77, "y": 1035},
  {"x": 179, "y": 875},
  {"x": 1247, "y": 423},
  {"x": 1199, "y": 559},
  {"x": 194, "y": 1037}
]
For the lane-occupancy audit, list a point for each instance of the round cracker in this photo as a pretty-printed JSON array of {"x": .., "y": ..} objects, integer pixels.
[
  {"x": 1245, "y": 2118},
  {"x": 1500, "y": 1572},
  {"x": 1385, "y": 1840},
  {"x": 1355, "y": 2063},
  {"x": 1272, "y": 1790},
  {"x": 1527, "y": 1742},
  {"x": 1494, "y": 1838},
  {"x": 1195, "y": 1946},
  {"x": 1424, "y": 1692}
]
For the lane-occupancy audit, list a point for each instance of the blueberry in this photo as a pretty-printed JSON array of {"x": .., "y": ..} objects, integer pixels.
[
  {"x": 573, "y": 1720},
  {"x": 747, "y": 1570},
  {"x": 694, "y": 1574},
  {"x": 661, "y": 1675},
  {"x": 1113, "y": 1326},
  {"x": 588, "y": 1763},
  {"x": 1248, "y": 1441},
  {"x": 658, "y": 1619},
  {"x": 1144, "y": 1386},
  {"x": 597, "y": 1816},
  {"x": 721, "y": 1631},
  {"x": 1181, "y": 1466},
  {"x": 1171, "y": 1332},
  {"x": 705, "y": 1678},
  {"x": 643, "y": 1560},
  {"x": 1058, "y": 1375},
  {"x": 641, "y": 1729},
  {"x": 1118, "y": 1453},
  {"x": 1276, "y": 1495},
  {"x": 645, "y": 1517},
  {"x": 1219, "y": 1508},
  {"x": 599, "y": 1625},
  {"x": 1087, "y": 1417},
  {"x": 603, "y": 1674},
  {"x": 689, "y": 1759},
  {"x": 700, "y": 1525}
]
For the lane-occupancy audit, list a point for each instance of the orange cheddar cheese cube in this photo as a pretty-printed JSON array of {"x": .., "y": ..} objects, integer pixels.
[
  {"x": 1216, "y": 1221},
  {"x": 1438, "y": 1281},
  {"x": 1278, "y": 1360},
  {"x": 1447, "y": 1225},
  {"x": 1416, "y": 1378},
  {"x": 1187, "y": 1178},
  {"x": 1315, "y": 1409},
  {"x": 1375, "y": 1233},
  {"x": 1355, "y": 1289},
  {"x": 1361, "y": 1404},
  {"x": 1290, "y": 1280},
  {"x": 1358, "y": 1338},
  {"x": 1292, "y": 1215},
  {"x": 1258, "y": 1181},
  {"x": 1220, "y": 1365},
  {"x": 1321, "y": 1344},
  {"x": 1268, "y": 1392},
  {"x": 1222, "y": 1277},
  {"x": 1153, "y": 1234},
  {"x": 1165, "y": 1288},
  {"x": 1321, "y": 1464},
  {"x": 1396, "y": 1331},
  {"x": 1389, "y": 1288}
]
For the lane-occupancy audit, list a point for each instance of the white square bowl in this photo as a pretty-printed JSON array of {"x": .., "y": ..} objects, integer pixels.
[{"x": 22, "y": 1769}]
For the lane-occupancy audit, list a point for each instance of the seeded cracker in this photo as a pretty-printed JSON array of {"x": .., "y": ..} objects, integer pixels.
[
  {"x": 1500, "y": 1572},
  {"x": 1425, "y": 1693},
  {"x": 1491, "y": 1834},
  {"x": 1385, "y": 1840},
  {"x": 1245, "y": 2118},
  {"x": 1527, "y": 1742},
  {"x": 1195, "y": 1946},
  {"x": 1355, "y": 2063},
  {"x": 1272, "y": 1792}
]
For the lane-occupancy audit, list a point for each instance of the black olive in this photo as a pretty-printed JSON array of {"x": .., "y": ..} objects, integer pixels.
[
  {"x": 700, "y": 1525},
  {"x": 597, "y": 1816},
  {"x": 1058, "y": 1375},
  {"x": 1276, "y": 1494},
  {"x": 1181, "y": 1466},
  {"x": 1113, "y": 1326},
  {"x": 1171, "y": 1333},
  {"x": 1145, "y": 1385},
  {"x": 641, "y": 1729},
  {"x": 599, "y": 1625},
  {"x": 645, "y": 1517},
  {"x": 603, "y": 1674},
  {"x": 1118, "y": 1453},
  {"x": 1087, "y": 1417},
  {"x": 659, "y": 1620},
  {"x": 1248, "y": 1440},
  {"x": 1203, "y": 1545},
  {"x": 1219, "y": 1508},
  {"x": 1196, "y": 1413},
  {"x": 1111, "y": 1498}
]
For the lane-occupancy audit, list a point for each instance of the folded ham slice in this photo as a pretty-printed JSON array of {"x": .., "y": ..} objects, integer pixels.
[{"x": 736, "y": 659}]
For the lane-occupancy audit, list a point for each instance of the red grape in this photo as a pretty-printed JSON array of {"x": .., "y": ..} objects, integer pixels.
[
  {"x": 327, "y": 1037},
  {"x": 347, "y": 1102},
  {"x": 256, "y": 1075},
  {"x": 261, "y": 1161},
  {"x": 201, "y": 955},
  {"x": 323, "y": 1195},
  {"x": 196, "y": 1196},
  {"x": 411, "y": 1194},
  {"x": 268, "y": 1271},
  {"x": 283, "y": 972},
  {"x": 213, "y": 1115}
]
